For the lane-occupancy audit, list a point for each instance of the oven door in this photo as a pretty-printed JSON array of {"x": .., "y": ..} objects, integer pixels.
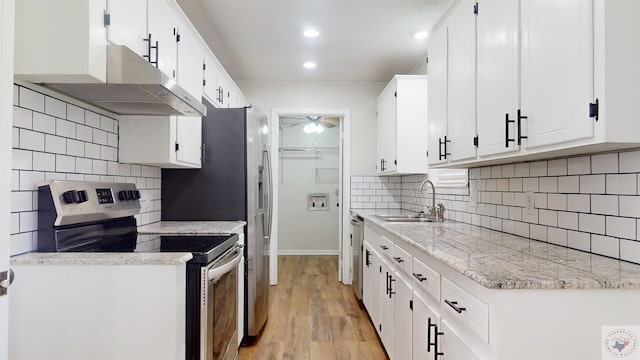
[{"x": 219, "y": 312}]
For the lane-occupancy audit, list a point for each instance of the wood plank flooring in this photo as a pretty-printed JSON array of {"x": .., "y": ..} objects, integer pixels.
[{"x": 313, "y": 316}]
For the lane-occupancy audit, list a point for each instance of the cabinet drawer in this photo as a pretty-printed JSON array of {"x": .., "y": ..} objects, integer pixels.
[
  {"x": 468, "y": 309},
  {"x": 426, "y": 278},
  {"x": 402, "y": 259},
  {"x": 387, "y": 246}
]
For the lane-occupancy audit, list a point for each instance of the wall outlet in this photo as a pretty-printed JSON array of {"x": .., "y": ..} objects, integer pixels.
[{"x": 529, "y": 203}]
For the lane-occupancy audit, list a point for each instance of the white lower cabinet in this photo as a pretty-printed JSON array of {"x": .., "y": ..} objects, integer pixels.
[
  {"x": 452, "y": 346},
  {"x": 402, "y": 291},
  {"x": 386, "y": 306},
  {"x": 425, "y": 322},
  {"x": 371, "y": 273}
]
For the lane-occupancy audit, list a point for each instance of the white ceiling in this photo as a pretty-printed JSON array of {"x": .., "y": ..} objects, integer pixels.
[{"x": 360, "y": 40}]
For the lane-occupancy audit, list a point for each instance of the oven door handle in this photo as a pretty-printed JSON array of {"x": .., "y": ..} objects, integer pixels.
[{"x": 216, "y": 272}]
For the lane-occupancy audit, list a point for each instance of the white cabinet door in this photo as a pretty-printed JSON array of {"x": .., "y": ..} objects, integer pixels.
[
  {"x": 211, "y": 78},
  {"x": 402, "y": 328},
  {"x": 437, "y": 96},
  {"x": 386, "y": 306},
  {"x": 557, "y": 70},
  {"x": 498, "y": 94},
  {"x": 189, "y": 140},
  {"x": 425, "y": 319},
  {"x": 462, "y": 81},
  {"x": 386, "y": 128},
  {"x": 453, "y": 347},
  {"x": 371, "y": 284},
  {"x": 190, "y": 60},
  {"x": 163, "y": 27},
  {"x": 128, "y": 24}
]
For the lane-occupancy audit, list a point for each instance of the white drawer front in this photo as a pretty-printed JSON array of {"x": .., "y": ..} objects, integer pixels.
[
  {"x": 426, "y": 278},
  {"x": 471, "y": 311},
  {"x": 387, "y": 246},
  {"x": 402, "y": 259}
]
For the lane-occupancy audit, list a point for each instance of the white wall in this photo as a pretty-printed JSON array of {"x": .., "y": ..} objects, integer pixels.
[
  {"x": 301, "y": 231},
  {"x": 360, "y": 98}
]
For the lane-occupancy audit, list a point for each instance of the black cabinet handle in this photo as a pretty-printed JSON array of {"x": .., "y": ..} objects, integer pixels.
[
  {"x": 398, "y": 259},
  {"x": 435, "y": 346},
  {"x": 387, "y": 286},
  {"x": 520, "y": 117},
  {"x": 419, "y": 277},
  {"x": 506, "y": 130},
  {"x": 384, "y": 247},
  {"x": 441, "y": 144},
  {"x": 429, "y": 342},
  {"x": 366, "y": 257},
  {"x": 149, "y": 48},
  {"x": 454, "y": 306},
  {"x": 391, "y": 280}
]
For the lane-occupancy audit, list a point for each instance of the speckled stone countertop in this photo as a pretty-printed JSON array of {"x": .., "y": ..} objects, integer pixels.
[
  {"x": 498, "y": 260},
  {"x": 101, "y": 259},
  {"x": 192, "y": 227},
  {"x": 148, "y": 237}
]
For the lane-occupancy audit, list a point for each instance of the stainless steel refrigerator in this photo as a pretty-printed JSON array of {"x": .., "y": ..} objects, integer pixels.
[{"x": 234, "y": 183}]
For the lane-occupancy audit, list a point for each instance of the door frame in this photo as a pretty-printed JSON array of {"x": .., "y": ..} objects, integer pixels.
[
  {"x": 344, "y": 263},
  {"x": 7, "y": 23}
]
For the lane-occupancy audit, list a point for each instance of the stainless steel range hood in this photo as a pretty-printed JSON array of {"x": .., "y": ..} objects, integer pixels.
[{"x": 134, "y": 87}]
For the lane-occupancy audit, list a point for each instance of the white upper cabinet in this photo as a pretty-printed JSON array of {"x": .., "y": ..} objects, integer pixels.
[
  {"x": 402, "y": 126},
  {"x": 190, "y": 60},
  {"x": 498, "y": 95},
  {"x": 128, "y": 24},
  {"x": 462, "y": 79},
  {"x": 189, "y": 140},
  {"x": 557, "y": 70},
  {"x": 437, "y": 97},
  {"x": 163, "y": 28}
]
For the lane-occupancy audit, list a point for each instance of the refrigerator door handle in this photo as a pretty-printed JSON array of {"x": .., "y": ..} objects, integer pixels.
[{"x": 270, "y": 197}]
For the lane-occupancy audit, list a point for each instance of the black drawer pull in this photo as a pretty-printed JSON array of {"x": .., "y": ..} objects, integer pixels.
[
  {"x": 419, "y": 277},
  {"x": 398, "y": 259},
  {"x": 454, "y": 305},
  {"x": 384, "y": 247}
]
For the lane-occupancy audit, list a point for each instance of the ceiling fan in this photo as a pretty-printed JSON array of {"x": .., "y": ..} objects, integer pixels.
[{"x": 313, "y": 123}]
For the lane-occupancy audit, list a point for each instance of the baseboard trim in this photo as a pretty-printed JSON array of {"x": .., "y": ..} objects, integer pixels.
[{"x": 308, "y": 252}]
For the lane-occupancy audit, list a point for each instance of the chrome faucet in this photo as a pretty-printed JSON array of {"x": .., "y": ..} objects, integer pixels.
[{"x": 434, "y": 212}]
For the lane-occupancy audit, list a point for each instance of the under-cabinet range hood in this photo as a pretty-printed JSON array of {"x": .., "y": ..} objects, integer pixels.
[{"x": 134, "y": 87}]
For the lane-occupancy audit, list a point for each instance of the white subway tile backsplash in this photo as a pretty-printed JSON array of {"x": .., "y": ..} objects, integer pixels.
[
  {"x": 538, "y": 232},
  {"x": 31, "y": 100},
  {"x": 569, "y": 184},
  {"x": 92, "y": 150},
  {"x": 530, "y": 184},
  {"x": 592, "y": 184},
  {"x": 31, "y": 140},
  {"x": 557, "y": 236},
  {"x": 624, "y": 184},
  {"x": 630, "y": 206},
  {"x": 112, "y": 140},
  {"x": 496, "y": 171},
  {"x": 21, "y": 159},
  {"x": 503, "y": 184},
  {"x": 557, "y": 201},
  {"x": 604, "y": 163},
  {"x": 540, "y": 200},
  {"x": 30, "y": 180},
  {"x": 65, "y": 128},
  {"x": 16, "y": 95},
  {"x": 21, "y": 201},
  {"x": 548, "y": 217},
  {"x": 508, "y": 171},
  {"x": 568, "y": 220},
  {"x": 538, "y": 168},
  {"x": 22, "y": 118},
  {"x": 75, "y": 147},
  {"x": 549, "y": 184},
  {"x": 75, "y": 114},
  {"x": 630, "y": 250},
  {"x": 579, "y": 165},
  {"x": 485, "y": 172},
  {"x": 591, "y": 223},
  {"x": 604, "y": 204},
  {"x": 44, "y": 161},
  {"x": 579, "y": 240},
  {"x": 515, "y": 185},
  {"x": 15, "y": 137},
  {"x": 55, "y": 144},
  {"x": 100, "y": 167},
  {"x": 580, "y": 203},
  {"x": 91, "y": 119},
  {"x": 621, "y": 227},
  {"x": 107, "y": 153},
  {"x": 15, "y": 223},
  {"x": 15, "y": 180},
  {"x": 522, "y": 169},
  {"x": 65, "y": 163},
  {"x": 630, "y": 162},
  {"x": 44, "y": 123},
  {"x": 605, "y": 245},
  {"x": 557, "y": 167},
  {"x": 21, "y": 243},
  {"x": 55, "y": 107},
  {"x": 84, "y": 133},
  {"x": 84, "y": 166},
  {"x": 28, "y": 221}
]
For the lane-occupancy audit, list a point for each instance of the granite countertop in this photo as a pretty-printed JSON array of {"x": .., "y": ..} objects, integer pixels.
[
  {"x": 148, "y": 235},
  {"x": 193, "y": 227},
  {"x": 101, "y": 259},
  {"x": 498, "y": 260}
]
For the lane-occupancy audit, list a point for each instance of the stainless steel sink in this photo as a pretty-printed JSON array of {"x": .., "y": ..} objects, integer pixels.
[{"x": 405, "y": 218}]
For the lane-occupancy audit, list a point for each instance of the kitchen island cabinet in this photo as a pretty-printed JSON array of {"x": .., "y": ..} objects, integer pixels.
[{"x": 497, "y": 295}]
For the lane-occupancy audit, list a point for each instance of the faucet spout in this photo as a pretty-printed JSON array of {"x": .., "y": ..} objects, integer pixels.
[{"x": 433, "y": 193}]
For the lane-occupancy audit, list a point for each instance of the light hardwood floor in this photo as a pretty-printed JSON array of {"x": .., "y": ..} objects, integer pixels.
[{"x": 313, "y": 316}]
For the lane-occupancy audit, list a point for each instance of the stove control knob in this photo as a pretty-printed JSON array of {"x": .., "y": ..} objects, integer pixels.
[
  {"x": 70, "y": 197},
  {"x": 122, "y": 195},
  {"x": 136, "y": 194},
  {"x": 82, "y": 196},
  {"x": 130, "y": 195}
]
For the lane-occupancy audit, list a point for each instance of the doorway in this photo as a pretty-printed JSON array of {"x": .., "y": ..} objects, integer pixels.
[{"x": 311, "y": 178}]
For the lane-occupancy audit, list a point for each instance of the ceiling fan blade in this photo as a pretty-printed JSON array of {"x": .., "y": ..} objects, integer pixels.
[{"x": 326, "y": 124}]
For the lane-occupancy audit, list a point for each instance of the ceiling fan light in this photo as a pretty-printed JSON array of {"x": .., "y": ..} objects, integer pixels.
[
  {"x": 319, "y": 129},
  {"x": 311, "y": 33},
  {"x": 309, "y": 128}
]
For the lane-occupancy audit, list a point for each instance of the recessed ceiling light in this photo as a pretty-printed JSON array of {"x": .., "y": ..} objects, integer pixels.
[
  {"x": 309, "y": 65},
  {"x": 420, "y": 35},
  {"x": 311, "y": 33}
]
